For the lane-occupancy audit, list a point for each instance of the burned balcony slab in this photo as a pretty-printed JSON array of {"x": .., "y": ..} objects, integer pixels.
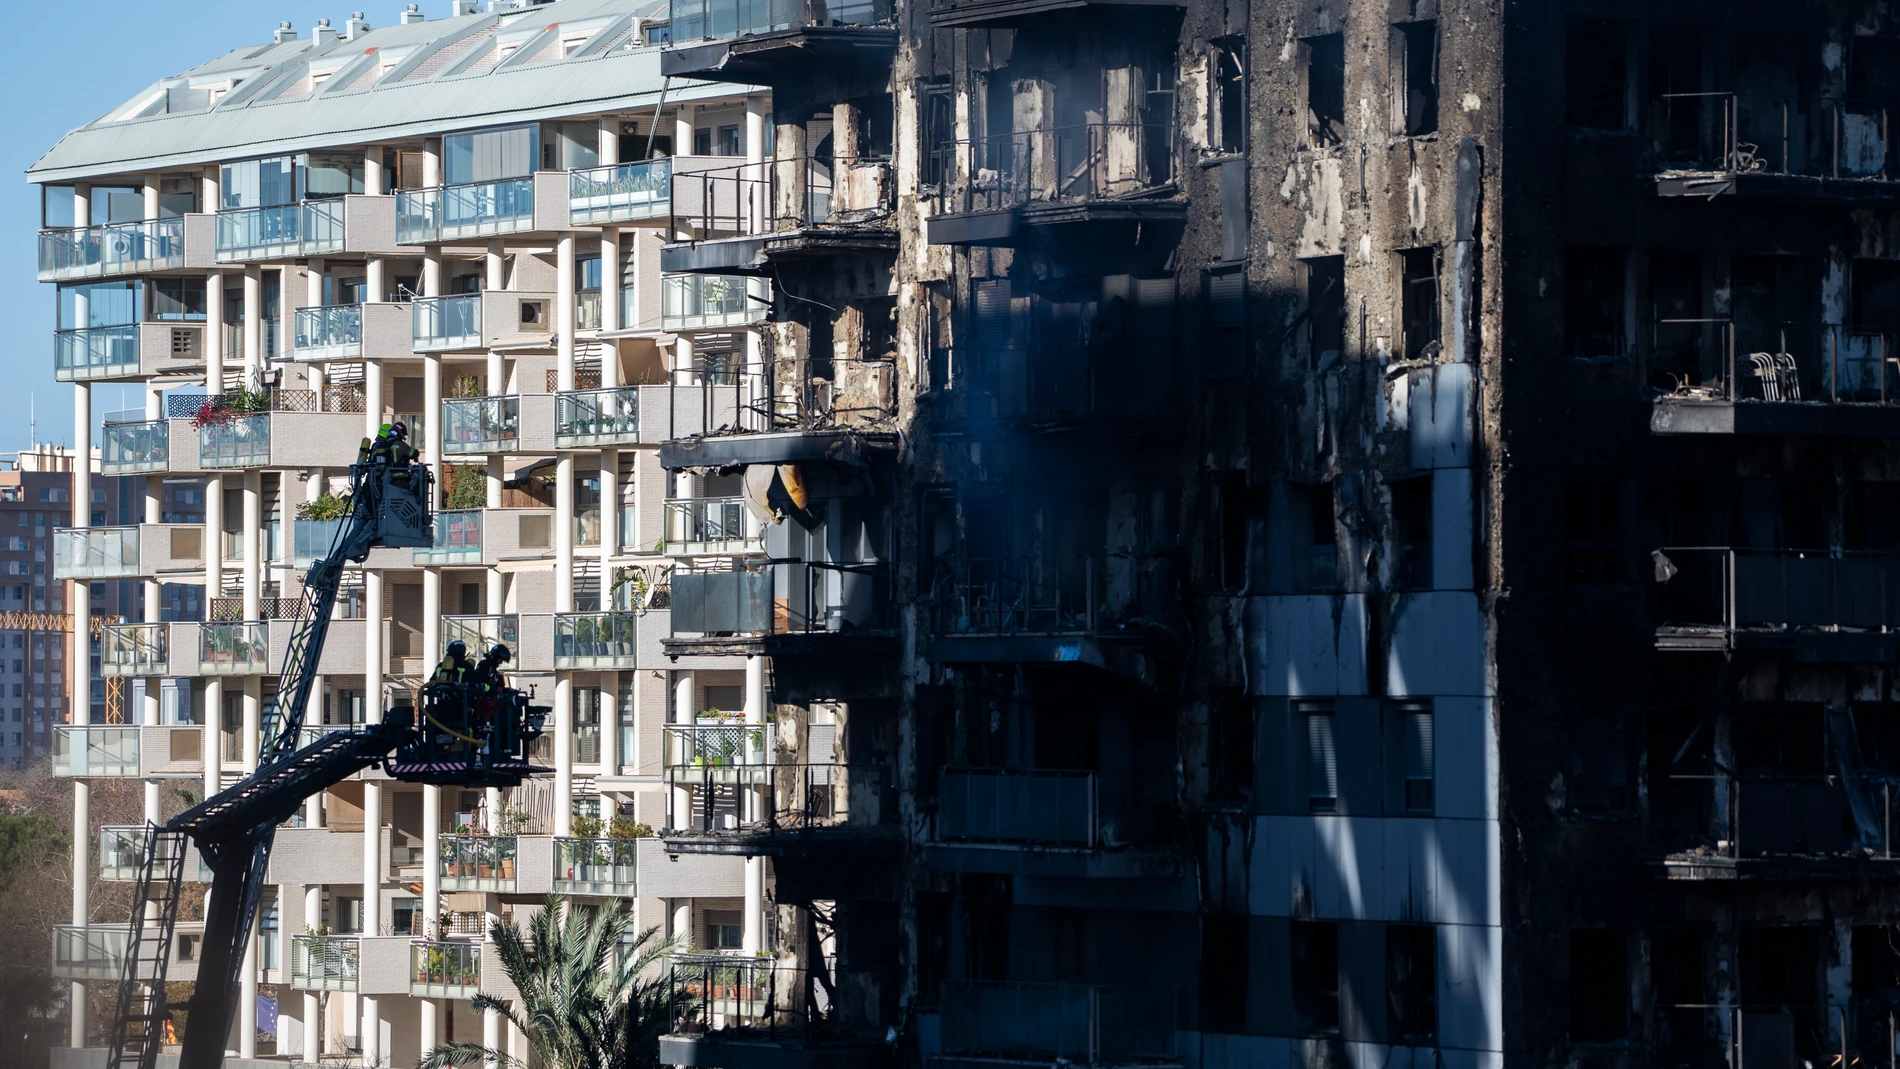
[
  {"x": 827, "y": 446},
  {"x": 1109, "y": 655},
  {"x": 1053, "y": 823},
  {"x": 752, "y": 254},
  {"x": 763, "y": 1051},
  {"x": 1708, "y": 185},
  {"x": 1007, "y": 227},
  {"x": 1674, "y": 415},
  {"x": 1713, "y": 866},
  {"x": 1818, "y": 607},
  {"x": 778, "y": 56},
  {"x": 1009, "y": 13},
  {"x": 1828, "y": 149}
]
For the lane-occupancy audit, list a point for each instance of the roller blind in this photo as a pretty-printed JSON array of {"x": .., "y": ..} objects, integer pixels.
[{"x": 489, "y": 155}]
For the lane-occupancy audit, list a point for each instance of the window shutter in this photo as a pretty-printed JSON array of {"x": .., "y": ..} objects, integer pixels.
[
  {"x": 1322, "y": 763},
  {"x": 1418, "y": 745},
  {"x": 992, "y": 314},
  {"x": 1226, "y": 291}
]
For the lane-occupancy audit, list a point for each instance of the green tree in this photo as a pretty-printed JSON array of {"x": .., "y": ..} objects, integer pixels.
[{"x": 588, "y": 1001}]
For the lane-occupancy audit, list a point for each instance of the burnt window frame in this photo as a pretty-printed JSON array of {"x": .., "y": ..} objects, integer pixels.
[
  {"x": 1597, "y": 1013},
  {"x": 1324, "y": 129},
  {"x": 1578, "y": 257},
  {"x": 1596, "y": 560},
  {"x": 1412, "y": 503},
  {"x": 1329, "y": 272},
  {"x": 1411, "y": 984},
  {"x": 1405, "y": 37},
  {"x": 1428, "y": 310},
  {"x": 937, "y": 131},
  {"x": 1228, "y": 126},
  {"x": 1575, "y": 115},
  {"x": 1313, "y": 962}
]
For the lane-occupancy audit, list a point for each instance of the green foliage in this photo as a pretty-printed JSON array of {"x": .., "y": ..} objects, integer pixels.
[
  {"x": 25, "y": 840},
  {"x": 327, "y": 506},
  {"x": 629, "y": 829},
  {"x": 465, "y": 486},
  {"x": 588, "y": 1000},
  {"x": 513, "y": 821},
  {"x": 587, "y": 827},
  {"x": 465, "y": 386}
]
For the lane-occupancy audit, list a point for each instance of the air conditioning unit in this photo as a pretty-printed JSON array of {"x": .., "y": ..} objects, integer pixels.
[{"x": 534, "y": 314}]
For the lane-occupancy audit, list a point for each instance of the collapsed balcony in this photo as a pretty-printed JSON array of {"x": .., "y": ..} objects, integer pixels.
[
  {"x": 742, "y": 1011},
  {"x": 1821, "y": 606},
  {"x": 787, "y": 208},
  {"x": 1819, "y": 148},
  {"x": 1719, "y": 376},
  {"x": 762, "y": 42},
  {"x": 1093, "y": 173}
]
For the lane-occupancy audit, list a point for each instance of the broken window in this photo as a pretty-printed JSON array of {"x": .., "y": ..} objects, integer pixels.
[
  {"x": 1411, "y": 984},
  {"x": 1322, "y": 759},
  {"x": 1412, "y": 533},
  {"x": 1418, "y": 282},
  {"x": 1412, "y": 755},
  {"x": 1679, "y": 108},
  {"x": 1325, "y": 310},
  {"x": 1600, "y": 760},
  {"x": 1224, "y": 957},
  {"x": 1315, "y": 960},
  {"x": 1326, "y": 89},
  {"x": 1593, "y": 528},
  {"x": 1781, "y": 982},
  {"x": 1225, "y": 291},
  {"x": 1676, "y": 986},
  {"x": 1782, "y": 514},
  {"x": 1685, "y": 347},
  {"x": 939, "y": 129},
  {"x": 1231, "y": 732},
  {"x": 1873, "y": 515},
  {"x": 1596, "y": 75},
  {"x": 1876, "y": 977},
  {"x": 1229, "y": 518},
  {"x": 1599, "y": 986},
  {"x": 1315, "y": 550},
  {"x": 1230, "y": 94},
  {"x": 1593, "y": 302},
  {"x": 1415, "y": 78}
]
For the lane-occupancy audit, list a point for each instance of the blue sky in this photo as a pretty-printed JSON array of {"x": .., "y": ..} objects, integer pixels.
[{"x": 73, "y": 60}]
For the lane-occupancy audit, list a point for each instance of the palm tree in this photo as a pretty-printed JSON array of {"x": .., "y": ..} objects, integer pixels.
[{"x": 585, "y": 1004}]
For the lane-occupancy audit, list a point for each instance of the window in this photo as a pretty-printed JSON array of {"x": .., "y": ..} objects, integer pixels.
[
  {"x": 725, "y": 930},
  {"x": 1226, "y": 295},
  {"x": 405, "y": 916},
  {"x": 1229, "y": 518},
  {"x": 1411, "y": 984},
  {"x": 533, "y": 531},
  {"x": 258, "y": 183},
  {"x": 1596, "y": 75},
  {"x": 1593, "y": 302},
  {"x": 1231, "y": 762},
  {"x": 1315, "y": 960},
  {"x": 1316, "y": 552},
  {"x": 1418, "y": 271},
  {"x": 1224, "y": 960},
  {"x": 1413, "y": 755},
  {"x": 178, "y": 298},
  {"x": 1326, "y": 89},
  {"x": 1325, "y": 310},
  {"x": 349, "y": 915},
  {"x": 1599, "y": 986},
  {"x": 1230, "y": 95},
  {"x": 489, "y": 155},
  {"x": 1592, "y": 525},
  {"x": 1415, "y": 79},
  {"x": 1322, "y": 760},
  {"x": 1412, "y": 533},
  {"x": 939, "y": 130}
]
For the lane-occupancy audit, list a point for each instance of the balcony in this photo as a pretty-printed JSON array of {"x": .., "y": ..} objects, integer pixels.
[
  {"x": 241, "y": 649},
  {"x": 1055, "y": 823},
  {"x": 441, "y": 323},
  {"x": 94, "y": 952},
  {"x": 1065, "y": 1024},
  {"x": 89, "y": 750},
  {"x": 711, "y": 526},
  {"x": 750, "y": 1011},
  {"x": 1778, "y": 827},
  {"x": 95, "y": 553},
  {"x": 285, "y": 232},
  {"x": 730, "y": 803},
  {"x": 595, "y": 640},
  {"x": 477, "y": 426},
  {"x": 331, "y": 332},
  {"x": 796, "y": 207},
  {"x": 96, "y": 353},
  {"x": 1054, "y": 610},
  {"x": 445, "y": 969},
  {"x": 135, "y": 650},
  {"x": 457, "y": 541},
  {"x": 595, "y": 867},
  {"x": 585, "y": 419},
  {"x": 481, "y": 633},
  {"x": 761, "y": 41},
  {"x": 620, "y": 193},
  {"x": 737, "y": 418},
  {"x": 324, "y": 962},
  {"x": 945, "y": 14},
  {"x": 312, "y": 540},
  {"x": 1717, "y": 376},
  {"x": 1818, "y": 606},
  {"x": 135, "y": 448},
  {"x": 1751, "y": 145},
  {"x": 237, "y": 442},
  {"x": 780, "y": 608},
  {"x": 1059, "y": 176},
  {"x": 476, "y": 210},
  {"x": 122, "y": 852},
  {"x": 116, "y": 249},
  {"x": 693, "y": 302},
  {"x": 477, "y": 863}
]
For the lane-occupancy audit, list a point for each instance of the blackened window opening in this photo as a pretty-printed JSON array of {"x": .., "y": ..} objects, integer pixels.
[
  {"x": 1596, "y": 75},
  {"x": 1316, "y": 975},
  {"x": 1230, "y": 72},
  {"x": 1411, "y": 984},
  {"x": 1416, "y": 82},
  {"x": 1412, "y": 532},
  {"x": 1326, "y": 89},
  {"x": 1419, "y": 296},
  {"x": 1325, "y": 310},
  {"x": 1599, "y": 985}
]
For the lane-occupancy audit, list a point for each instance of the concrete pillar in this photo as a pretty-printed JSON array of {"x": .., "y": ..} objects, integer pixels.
[
  {"x": 372, "y": 397},
  {"x": 563, "y": 729},
  {"x": 82, "y": 204},
  {"x": 312, "y": 1001},
  {"x": 214, "y": 332},
  {"x": 432, "y": 422},
  {"x": 253, "y": 326},
  {"x": 754, "y": 919},
  {"x": 370, "y": 1031},
  {"x": 82, "y": 893},
  {"x": 685, "y": 708},
  {"x": 491, "y": 1036},
  {"x": 495, "y": 267},
  {"x": 150, "y": 189},
  {"x": 253, "y": 495},
  {"x": 609, "y": 723},
  {"x": 683, "y": 115},
  {"x": 608, "y": 145},
  {"x": 79, "y": 592},
  {"x": 683, "y": 922},
  {"x": 610, "y": 304},
  {"x": 376, "y": 281},
  {"x": 251, "y": 692},
  {"x": 373, "y": 170},
  {"x": 609, "y": 519}
]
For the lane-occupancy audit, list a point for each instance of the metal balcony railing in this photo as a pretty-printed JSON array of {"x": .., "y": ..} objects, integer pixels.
[
  {"x": 445, "y": 322},
  {"x": 135, "y": 649},
  {"x": 95, "y": 750},
  {"x": 324, "y": 962},
  {"x": 1715, "y": 589},
  {"x": 990, "y": 805},
  {"x": 1745, "y": 133},
  {"x": 329, "y": 332},
  {"x": 599, "y": 640},
  {"x": 457, "y": 539},
  {"x": 135, "y": 448},
  {"x": 773, "y": 799},
  {"x": 481, "y": 425},
  {"x": 471, "y": 210},
  {"x": 784, "y": 194},
  {"x": 783, "y": 598},
  {"x": 289, "y": 230},
  {"x": 1013, "y": 595},
  {"x": 1054, "y": 165},
  {"x": 441, "y": 969},
  {"x": 1065, "y": 1023},
  {"x": 114, "y": 249},
  {"x": 239, "y": 649},
  {"x": 95, "y": 352},
  {"x": 589, "y": 418},
  {"x": 312, "y": 540},
  {"x": 95, "y": 552},
  {"x": 122, "y": 849},
  {"x": 477, "y": 862},
  {"x": 596, "y": 867},
  {"x": 620, "y": 192},
  {"x": 237, "y": 442},
  {"x": 1726, "y": 360}
]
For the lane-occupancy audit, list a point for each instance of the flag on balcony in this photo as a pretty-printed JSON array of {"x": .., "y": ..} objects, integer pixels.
[{"x": 267, "y": 1015}]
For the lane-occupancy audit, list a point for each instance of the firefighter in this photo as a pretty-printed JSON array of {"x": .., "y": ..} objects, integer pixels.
[
  {"x": 376, "y": 450},
  {"x": 487, "y": 676},
  {"x": 455, "y": 667}
]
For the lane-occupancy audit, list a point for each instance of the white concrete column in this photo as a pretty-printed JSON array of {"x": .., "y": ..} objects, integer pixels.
[
  {"x": 563, "y": 729},
  {"x": 608, "y": 145},
  {"x": 432, "y": 271},
  {"x": 252, "y": 693},
  {"x": 373, "y": 170},
  {"x": 247, "y": 998},
  {"x": 495, "y": 267},
  {"x": 564, "y": 533},
  {"x": 372, "y": 397},
  {"x": 252, "y": 539},
  {"x": 79, "y": 591},
  {"x": 253, "y": 325},
  {"x": 370, "y": 1031},
  {"x": 214, "y": 736},
  {"x": 210, "y": 195},
  {"x": 683, "y": 922},
  {"x": 491, "y": 1036},
  {"x": 685, "y": 708},
  {"x": 214, "y": 332},
  {"x": 150, "y": 189},
  {"x": 431, "y": 162},
  {"x": 82, "y": 204},
  {"x": 376, "y": 281},
  {"x": 609, "y": 721},
  {"x": 754, "y": 920},
  {"x": 564, "y": 312},
  {"x": 609, "y": 520},
  {"x": 312, "y": 1002},
  {"x": 373, "y": 652},
  {"x": 82, "y": 893},
  {"x": 432, "y": 873},
  {"x": 432, "y": 422},
  {"x": 610, "y": 304},
  {"x": 683, "y": 129}
]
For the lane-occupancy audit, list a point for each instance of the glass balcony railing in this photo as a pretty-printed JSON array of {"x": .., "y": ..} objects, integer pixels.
[
  {"x": 135, "y": 649},
  {"x": 95, "y": 552},
  {"x": 95, "y": 750},
  {"x": 122, "y": 851},
  {"x": 595, "y": 867},
  {"x": 594, "y": 640},
  {"x": 477, "y": 862},
  {"x": 621, "y": 192},
  {"x": 445, "y": 322},
  {"x": 481, "y": 633},
  {"x": 286, "y": 230},
  {"x": 116, "y": 249},
  {"x": 324, "y": 962},
  {"x": 95, "y": 352},
  {"x": 311, "y": 541},
  {"x": 474, "y": 210},
  {"x": 696, "y": 20},
  {"x": 134, "y": 448},
  {"x": 329, "y": 332},
  {"x": 458, "y": 539},
  {"x": 444, "y": 969},
  {"x": 744, "y": 750},
  {"x": 589, "y": 418},
  {"x": 238, "y": 442},
  {"x": 711, "y": 525},
  {"x": 241, "y": 649},
  {"x": 480, "y": 425},
  {"x": 88, "y": 952},
  {"x": 712, "y": 302}
]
